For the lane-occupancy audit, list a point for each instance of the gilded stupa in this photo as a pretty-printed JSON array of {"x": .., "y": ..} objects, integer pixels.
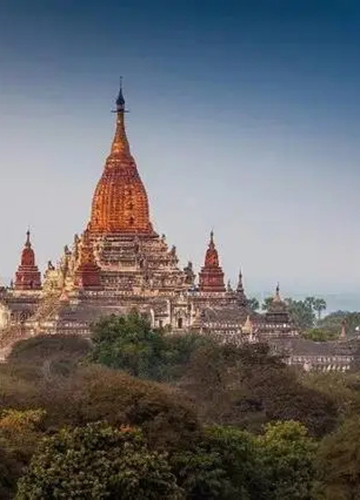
[{"x": 120, "y": 203}]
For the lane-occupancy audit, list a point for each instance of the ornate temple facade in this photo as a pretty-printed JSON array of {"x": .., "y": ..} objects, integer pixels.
[{"x": 120, "y": 263}]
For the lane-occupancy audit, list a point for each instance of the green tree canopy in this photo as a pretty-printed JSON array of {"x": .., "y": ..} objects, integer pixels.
[
  {"x": 253, "y": 304},
  {"x": 10, "y": 471},
  {"x": 249, "y": 386},
  {"x": 339, "y": 462},
  {"x": 43, "y": 347},
  {"x": 48, "y": 356},
  {"x": 319, "y": 305},
  {"x": 95, "y": 462},
  {"x": 320, "y": 335},
  {"x": 223, "y": 466},
  {"x": 265, "y": 306},
  {"x": 19, "y": 435},
  {"x": 130, "y": 343},
  {"x": 332, "y": 323},
  {"x": 288, "y": 459},
  {"x": 301, "y": 312}
]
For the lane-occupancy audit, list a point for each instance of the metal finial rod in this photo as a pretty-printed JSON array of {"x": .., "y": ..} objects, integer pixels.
[{"x": 120, "y": 101}]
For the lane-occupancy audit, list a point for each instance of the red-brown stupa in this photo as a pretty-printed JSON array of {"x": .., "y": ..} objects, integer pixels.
[
  {"x": 88, "y": 272},
  {"x": 28, "y": 276},
  {"x": 120, "y": 203},
  {"x": 211, "y": 276}
]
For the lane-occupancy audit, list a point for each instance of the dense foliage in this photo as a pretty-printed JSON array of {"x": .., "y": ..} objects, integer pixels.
[
  {"x": 332, "y": 323},
  {"x": 79, "y": 420},
  {"x": 95, "y": 462},
  {"x": 131, "y": 344}
]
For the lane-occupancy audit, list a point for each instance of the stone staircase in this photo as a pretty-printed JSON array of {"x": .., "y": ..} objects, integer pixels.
[{"x": 40, "y": 323}]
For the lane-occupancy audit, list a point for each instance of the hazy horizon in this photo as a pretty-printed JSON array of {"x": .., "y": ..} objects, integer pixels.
[{"x": 244, "y": 118}]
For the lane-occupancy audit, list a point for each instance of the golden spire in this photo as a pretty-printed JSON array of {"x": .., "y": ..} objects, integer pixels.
[
  {"x": 120, "y": 203},
  {"x": 120, "y": 144}
]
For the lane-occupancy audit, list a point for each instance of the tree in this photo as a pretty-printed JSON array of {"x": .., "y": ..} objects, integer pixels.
[
  {"x": 253, "y": 304},
  {"x": 19, "y": 430},
  {"x": 37, "y": 349},
  {"x": 287, "y": 455},
  {"x": 230, "y": 464},
  {"x": 19, "y": 435},
  {"x": 96, "y": 393},
  {"x": 129, "y": 343},
  {"x": 342, "y": 388},
  {"x": 49, "y": 356},
  {"x": 319, "y": 335},
  {"x": 10, "y": 471},
  {"x": 95, "y": 462},
  {"x": 301, "y": 313},
  {"x": 239, "y": 456},
  {"x": 265, "y": 306},
  {"x": 309, "y": 301},
  {"x": 319, "y": 305},
  {"x": 332, "y": 323},
  {"x": 248, "y": 386},
  {"x": 222, "y": 466},
  {"x": 339, "y": 462}
]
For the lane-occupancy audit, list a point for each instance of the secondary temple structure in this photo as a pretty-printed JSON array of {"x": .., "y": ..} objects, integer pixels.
[{"x": 120, "y": 263}]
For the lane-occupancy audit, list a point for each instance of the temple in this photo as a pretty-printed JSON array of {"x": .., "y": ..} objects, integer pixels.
[
  {"x": 120, "y": 263},
  {"x": 277, "y": 321}
]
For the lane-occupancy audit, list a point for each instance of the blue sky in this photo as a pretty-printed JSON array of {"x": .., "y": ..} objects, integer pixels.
[{"x": 245, "y": 118}]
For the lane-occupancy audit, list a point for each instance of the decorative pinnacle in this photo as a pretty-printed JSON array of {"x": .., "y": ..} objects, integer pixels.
[
  {"x": 212, "y": 237},
  {"x": 120, "y": 143},
  {"x": 28, "y": 242},
  {"x": 240, "y": 286},
  {"x": 120, "y": 101}
]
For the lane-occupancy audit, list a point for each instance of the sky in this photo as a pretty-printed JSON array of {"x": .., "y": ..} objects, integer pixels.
[{"x": 244, "y": 118}]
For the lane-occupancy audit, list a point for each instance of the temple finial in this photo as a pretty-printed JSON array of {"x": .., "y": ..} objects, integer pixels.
[
  {"x": 120, "y": 143},
  {"x": 240, "y": 286},
  {"x": 28, "y": 242},
  {"x": 241, "y": 296},
  {"x": 277, "y": 292},
  {"x": 120, "y": 101},
  {"x": 212, "y": 237}
]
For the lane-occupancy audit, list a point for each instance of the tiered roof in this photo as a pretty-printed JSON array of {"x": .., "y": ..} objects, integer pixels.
[
  {"x": 28, "y": 276},
  {"x": 211, "y": 277}
]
